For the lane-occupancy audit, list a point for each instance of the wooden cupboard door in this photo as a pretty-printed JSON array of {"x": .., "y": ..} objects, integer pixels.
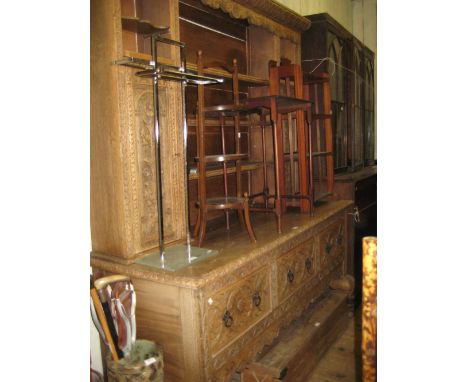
[
  {"x": 296, "y": 267},
  {"x": 331, "y": 243},
  {"x": 232, "y": 311}
]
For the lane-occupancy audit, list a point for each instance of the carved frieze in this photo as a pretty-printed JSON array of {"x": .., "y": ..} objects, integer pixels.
[{"x": 266, "y": 14}]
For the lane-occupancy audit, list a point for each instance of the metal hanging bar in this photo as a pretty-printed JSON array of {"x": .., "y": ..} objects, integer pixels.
[{"x": 157, "y": 151}]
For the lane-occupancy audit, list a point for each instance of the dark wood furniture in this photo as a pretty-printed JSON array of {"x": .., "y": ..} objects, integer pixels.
[
  {"x": 277, "y": 105},
  {"x": 360, "y": 186},
  {"x": 225, "y": 202},
  {"x": 320, "y": 136},
  {"x": 291, "y": 141},
  {"x": 329, "y": 47}
]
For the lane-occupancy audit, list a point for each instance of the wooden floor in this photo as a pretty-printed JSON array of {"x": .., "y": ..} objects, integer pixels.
[{"x": 342, "y": 362}]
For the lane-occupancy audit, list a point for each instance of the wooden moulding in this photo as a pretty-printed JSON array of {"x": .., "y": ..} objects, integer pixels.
[{"x": 264, "y": 13}]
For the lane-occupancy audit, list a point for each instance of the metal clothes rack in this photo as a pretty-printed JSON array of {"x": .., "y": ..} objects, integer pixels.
[{"x": 156, "y": 71}]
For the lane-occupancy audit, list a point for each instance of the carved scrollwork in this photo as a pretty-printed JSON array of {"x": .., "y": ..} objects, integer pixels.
[
  {"x": 292, "y": 268},
  {"x": 144, "y": 118},
  {"x": 340, "y": 235},
  {"x": 331, "y": 243},
  {"x": 222, "y": 365},
  {"x": 141, "y": 120},
  {"x": 233, "y": 310}
]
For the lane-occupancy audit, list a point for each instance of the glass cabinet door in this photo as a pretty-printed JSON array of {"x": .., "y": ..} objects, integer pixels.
[
  {"x": 357, "y": 154},
  {"x": 338, "y": 98},
  {"x": 369, "y": 126}
]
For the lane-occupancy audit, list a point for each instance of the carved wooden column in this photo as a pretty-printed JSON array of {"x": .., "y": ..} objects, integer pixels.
[{"x": 369, "y": 309}]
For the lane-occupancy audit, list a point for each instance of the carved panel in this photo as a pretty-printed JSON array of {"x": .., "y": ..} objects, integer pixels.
[
  {"x": 238, "y": 354},
  {"x": 145, "y": 125},
  {"x": 294, "y": 268},
  {"x": 172, "y": 162},
  {"x": 232, "y": 311},
  {"x": 331, "y": 243}
]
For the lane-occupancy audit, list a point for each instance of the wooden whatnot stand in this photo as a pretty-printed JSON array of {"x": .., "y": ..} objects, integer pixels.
[
  {"x": 226, "y": 202},
  {"x": 180, "y": 74},
  {"x": 320, "y": 134}
]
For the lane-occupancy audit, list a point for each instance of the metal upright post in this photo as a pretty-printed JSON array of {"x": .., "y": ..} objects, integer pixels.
[
  {"x": 185, "y": 132},
  {"x": 157, "y": 150}
]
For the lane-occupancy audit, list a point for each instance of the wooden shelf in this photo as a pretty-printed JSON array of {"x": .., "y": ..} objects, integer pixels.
[
  {"x": 243, "y": 78},
  {"x": 249, "y": 166},
  {"x": 136, "y": 25},
  {"x": 320, "y": 116},
  {"x": 223, "y": 158},
  {"x": 284, "y": 104}
]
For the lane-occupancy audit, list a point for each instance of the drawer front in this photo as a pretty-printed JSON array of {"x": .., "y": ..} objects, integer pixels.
[
  {"x": 296, "y": 267},
  {"x": 332, "y": 243},
  {"x": 232, "y": 311}
]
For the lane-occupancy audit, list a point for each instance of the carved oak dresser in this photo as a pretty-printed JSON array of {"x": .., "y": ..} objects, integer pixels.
[{"x": 212, "y": 317}]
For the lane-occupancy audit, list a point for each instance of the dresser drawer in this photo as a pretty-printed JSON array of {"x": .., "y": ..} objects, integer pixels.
[
  {"x": 331, "y": 243},
  {"x": 295, "y": 267},
  {"x": 232, "y": 311}
]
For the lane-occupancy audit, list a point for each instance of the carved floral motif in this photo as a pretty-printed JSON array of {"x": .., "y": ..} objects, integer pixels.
[
  {"x": 244, "y": 349},
  {"x": 231, "y": 312}
]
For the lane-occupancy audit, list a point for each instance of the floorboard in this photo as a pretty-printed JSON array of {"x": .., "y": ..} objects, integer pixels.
[{"x": 341, "y": 363}]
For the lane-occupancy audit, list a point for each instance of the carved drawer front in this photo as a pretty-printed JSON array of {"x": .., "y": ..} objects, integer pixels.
[
  {"x": 295, "y": 268},
  {"x": 331, "y": 243},
  {"x": 232, "y": 311}
]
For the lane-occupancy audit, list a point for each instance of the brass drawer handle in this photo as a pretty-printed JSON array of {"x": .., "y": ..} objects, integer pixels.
[
  {"x": 256, "y": 299},
  {"x": 308, "y": 264},
  {"x": 328, "y": 247},
  {"x": 227, "y": 318},
  {"x": 290, "y": 276}
]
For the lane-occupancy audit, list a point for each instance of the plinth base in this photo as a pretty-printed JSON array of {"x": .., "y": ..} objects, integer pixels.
[{"x": 176, "y": 257}]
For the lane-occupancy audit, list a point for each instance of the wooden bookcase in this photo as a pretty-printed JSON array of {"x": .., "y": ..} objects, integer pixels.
[
  {"x": 187, "y": 311},
  {"x": 352, "y": 83},
  {"x": 353, "y": 121}
]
